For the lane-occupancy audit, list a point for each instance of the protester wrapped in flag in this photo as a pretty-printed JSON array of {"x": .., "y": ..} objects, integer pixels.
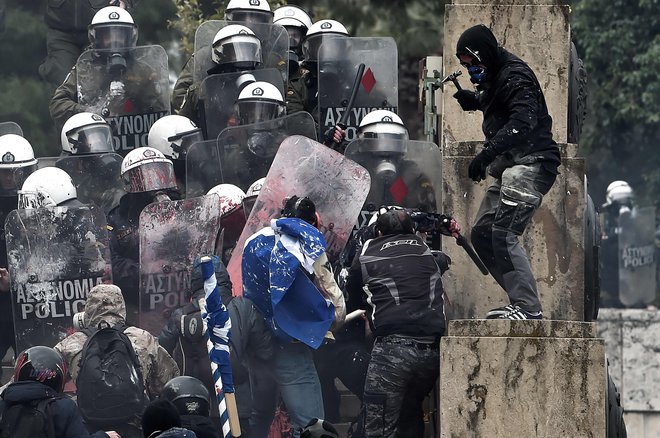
[
  {"x": 277, "y": 265},
  {"x": 217, "y": 324}
]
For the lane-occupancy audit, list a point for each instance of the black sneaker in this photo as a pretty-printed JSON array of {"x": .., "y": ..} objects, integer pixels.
[
  {"x": 496, "y": 313},
  {"x": 518, "y": 313}
]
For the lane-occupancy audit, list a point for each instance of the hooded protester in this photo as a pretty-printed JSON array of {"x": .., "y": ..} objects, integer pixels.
[
  {"x": 161, "y": 419},
  {"x": 105, "y": 308},
  {"x": 519, "y": 152}
]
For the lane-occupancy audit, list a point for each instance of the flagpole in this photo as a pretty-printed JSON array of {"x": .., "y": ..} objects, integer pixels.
[{"x": 225, "y": 395}]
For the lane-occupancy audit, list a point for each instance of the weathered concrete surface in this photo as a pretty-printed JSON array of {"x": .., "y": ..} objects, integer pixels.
[
  {"x": 540, "y": 35},
  {"x": 553, "y": 241},
  {"x": 632, "y": 340},
  {"x": 516, "y": 329},
  {"x": 521, "y": 386},
  {"x": 642, "y": 425},
  {"x": 508, "y": 2}
]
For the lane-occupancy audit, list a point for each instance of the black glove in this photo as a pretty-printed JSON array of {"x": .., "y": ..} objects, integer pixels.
[
  {"x": 479, "y": 164},
  {"x": 467, "y": 99}
]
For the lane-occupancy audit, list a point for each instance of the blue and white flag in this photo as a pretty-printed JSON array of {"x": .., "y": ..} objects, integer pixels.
[
  {"x": 276, "y": 263},
  {"x": 218, "y": 325}
]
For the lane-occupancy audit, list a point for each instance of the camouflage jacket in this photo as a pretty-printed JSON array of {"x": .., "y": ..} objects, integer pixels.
[{"x": 105, "y": 303}]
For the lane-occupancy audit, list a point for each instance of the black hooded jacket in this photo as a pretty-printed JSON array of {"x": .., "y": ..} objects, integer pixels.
[
  {"x": 67, "y": 421},
  {"x": 517, "y": 125}
]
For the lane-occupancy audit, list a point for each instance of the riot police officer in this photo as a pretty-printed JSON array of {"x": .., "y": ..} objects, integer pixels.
[
  {"x": 148, "y": 177},
  {"x": 17, "y": 162}
]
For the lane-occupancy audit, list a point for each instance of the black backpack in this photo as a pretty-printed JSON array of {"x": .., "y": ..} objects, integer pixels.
[
  {"x": 110, "y": 386},
  {"x": 27, "y": 420}
]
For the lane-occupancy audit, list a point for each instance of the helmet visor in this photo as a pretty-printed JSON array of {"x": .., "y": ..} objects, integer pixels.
[
  {"x": 91, "y": 140},
  {"x": 245, "y": 51},
  {"x": 182, "y": 142},
  {"x": 113, "y": 36},
  {"x": 259, "y": 111},
  {"x": 312, "y": 44},
  {"x": 11, "y": 179},
  {"x": 383, "y": 130},
  {"x": 249, "y": 16},
  {"x": 150, "y": 177}
]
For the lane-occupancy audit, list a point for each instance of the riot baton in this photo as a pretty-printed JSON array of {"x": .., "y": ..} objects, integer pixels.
[
  {"x": 463, "y": 242},
  {"x": 344, "y": 117}
]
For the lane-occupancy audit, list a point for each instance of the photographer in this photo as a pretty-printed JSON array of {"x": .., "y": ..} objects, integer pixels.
[{"x": 401, "y": 280}]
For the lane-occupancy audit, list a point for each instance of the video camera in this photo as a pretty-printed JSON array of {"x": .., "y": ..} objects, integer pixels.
[{"x": 430, "y": 222}]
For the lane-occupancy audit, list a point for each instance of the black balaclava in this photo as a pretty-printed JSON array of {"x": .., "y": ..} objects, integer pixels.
[{"x": 479, "y": 41}]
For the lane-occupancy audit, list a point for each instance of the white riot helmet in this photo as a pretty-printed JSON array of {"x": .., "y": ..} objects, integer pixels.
[
  {"x": 249, "y": 11},
  {"x": 382, "y": 124},
  {"x": 296, "y": 22},
  {"x": 619, "y": 192},
  {"x": 255, "y": 187},
  {"x": 236, "y": 46},
  {"x": 230, "y": 195},
  {"x": 16, "y": 163},
  {"x": 319, "y": 32},
  {"x": 47, "y": 187},
  {"x": 173, "y": 135},
  {"x": 259, "y": 102},
  {"x": 112, "y": 28},
  {"x": 146, "y": 169},
  {"x": 86, "y": 133}
]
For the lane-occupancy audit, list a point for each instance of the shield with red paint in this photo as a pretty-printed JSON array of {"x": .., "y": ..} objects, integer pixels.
[
  {"x": 339, "y": 59},
  {"x": 128, "y": 87},
  {"x": 172, "y": 235},
  {"x": 406, "y": 173},
  {"x": 303, "y": 167}
]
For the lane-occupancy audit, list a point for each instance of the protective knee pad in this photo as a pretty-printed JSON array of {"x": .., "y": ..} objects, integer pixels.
[{"x": 516, "y": 208}]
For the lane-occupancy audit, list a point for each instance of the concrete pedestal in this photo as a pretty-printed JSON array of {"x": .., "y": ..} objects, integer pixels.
[
  {"x": 553, "y": 241},
  {"x": 522, "y": 379}
]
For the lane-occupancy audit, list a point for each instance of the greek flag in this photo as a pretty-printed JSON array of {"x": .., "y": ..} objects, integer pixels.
[
  {"x": 217, "y": 325},
  {"x": 277, "y": 265}
]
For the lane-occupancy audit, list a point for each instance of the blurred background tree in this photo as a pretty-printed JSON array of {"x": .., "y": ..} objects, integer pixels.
[{"x": 619, "y": 41}]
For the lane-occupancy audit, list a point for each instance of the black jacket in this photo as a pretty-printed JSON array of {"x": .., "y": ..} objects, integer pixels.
[
  {"x": 202, "y": 426},
  {"x": 67, "y": 420},
  {"x": 402, "y": 284},
  {"x": 516, "y": 124}
]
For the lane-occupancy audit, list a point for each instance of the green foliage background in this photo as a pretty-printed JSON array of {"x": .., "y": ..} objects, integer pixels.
[{"x": 619, "y": 41}]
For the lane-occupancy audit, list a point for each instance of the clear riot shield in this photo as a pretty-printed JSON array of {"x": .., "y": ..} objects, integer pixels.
[
  {"x": 56, "y": 255},
  {"x": 274, "y": 47},
  {"x": 129, "y": 89},
  {"x": 10, "y": 128},
  {"x": 339, "y": 59},
  {"x": 637, "y": 257},
  {"x": 202, "y": 168},
  {"x": 406, "y": 173},
  {"x": 303, "y": 167},
  {"x": 172, "y": 235},
  {"x": 96, "y": 177},
  {"x": 218, "y": 95},
  {"x": 244, "y": 153}
]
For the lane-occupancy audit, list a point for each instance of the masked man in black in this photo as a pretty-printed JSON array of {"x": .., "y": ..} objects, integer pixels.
[{"x": 519, "y": 153}]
